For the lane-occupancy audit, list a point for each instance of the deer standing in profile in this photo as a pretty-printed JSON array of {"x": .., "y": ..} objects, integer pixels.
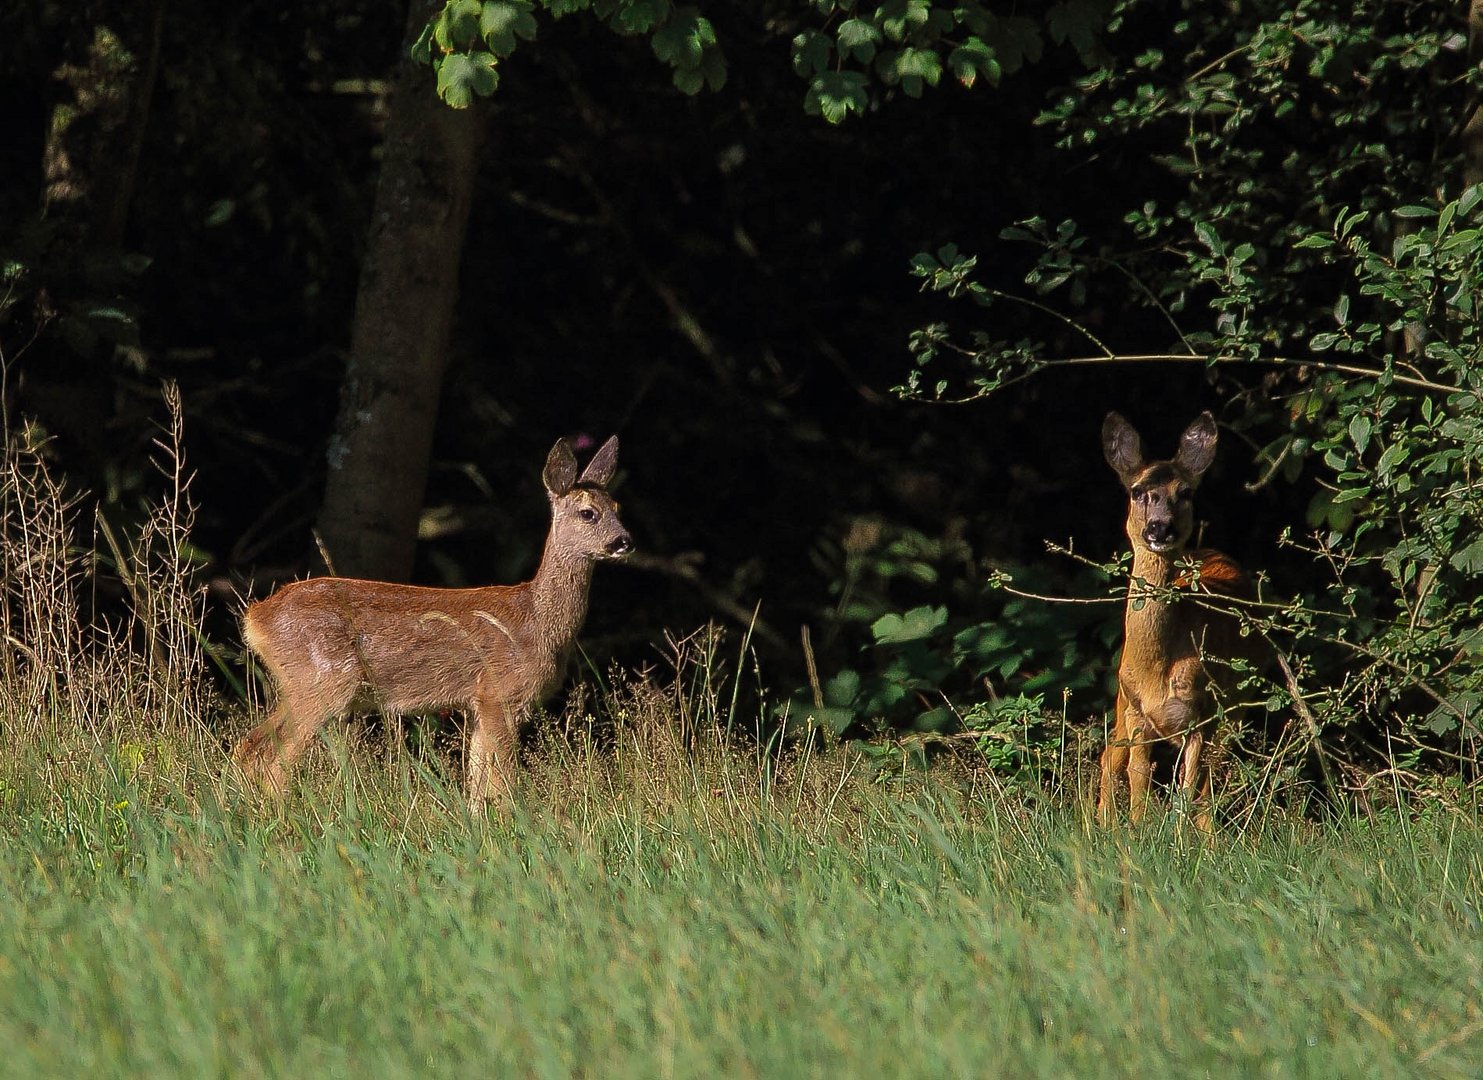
[
  {"x": 335, "y": 646},
  {"x": 1175, "y": 663}
]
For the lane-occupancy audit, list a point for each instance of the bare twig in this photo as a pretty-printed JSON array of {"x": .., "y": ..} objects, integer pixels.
[{"x": 1109, "y": 357}]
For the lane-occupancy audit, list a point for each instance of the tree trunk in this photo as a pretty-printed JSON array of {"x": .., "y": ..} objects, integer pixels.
[{"x": 378, "y": 458}]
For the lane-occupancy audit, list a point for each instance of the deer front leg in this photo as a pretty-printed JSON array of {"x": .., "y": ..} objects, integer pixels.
[
  {"x": 494, "y": 745},
  {"x": 1140, "y": 768},
  {"x": 1114, "y": 762}
]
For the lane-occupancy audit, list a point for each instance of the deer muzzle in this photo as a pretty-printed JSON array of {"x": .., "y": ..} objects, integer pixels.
[{"x": 1160, "y": 535}]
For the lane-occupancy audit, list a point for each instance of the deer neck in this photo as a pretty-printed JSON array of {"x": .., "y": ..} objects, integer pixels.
[
  {"x": 559, "y": 592},
  {"x": 1149, "y": 618}
]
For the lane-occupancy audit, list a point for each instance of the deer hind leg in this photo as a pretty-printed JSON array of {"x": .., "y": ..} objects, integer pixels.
[
  {"x": 1199, "y": 776},
  {"x": 1194, "y": 777},
  {"x": 270, "y": 750},
  {"x": 257, "y": 751},
  {"x": 494, "y": 746},
  {"x": 1114, "y": 763}
]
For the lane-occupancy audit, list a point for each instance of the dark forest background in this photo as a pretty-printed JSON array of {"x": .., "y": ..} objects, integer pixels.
[{"x": 728, "y": 277}]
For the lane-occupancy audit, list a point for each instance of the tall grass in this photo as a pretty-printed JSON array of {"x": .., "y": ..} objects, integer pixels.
[
  {"x": 619, "y": 923},
  {"x": 662, "y": 899}
]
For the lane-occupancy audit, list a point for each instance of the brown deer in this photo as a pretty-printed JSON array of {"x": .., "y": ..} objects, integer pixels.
[
  {"x": 1166, "y": 690},
  {"x": 335, "y": 646}
]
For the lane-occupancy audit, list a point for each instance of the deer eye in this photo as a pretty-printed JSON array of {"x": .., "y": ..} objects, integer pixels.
[{"x": 587, "y": 514}]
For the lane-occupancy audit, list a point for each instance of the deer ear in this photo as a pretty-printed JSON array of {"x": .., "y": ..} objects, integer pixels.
[
  {"x": 604, "y": 464},
  {"x": 1197, "y": 446},
  {"x": 561, "y": 469},
  {"x": 1121, "y": 445}
]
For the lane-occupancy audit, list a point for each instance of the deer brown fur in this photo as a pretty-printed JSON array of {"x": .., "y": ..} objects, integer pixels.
[
  {"x": 336, "y": 646},
  {"x": 1174, "y": 669}
]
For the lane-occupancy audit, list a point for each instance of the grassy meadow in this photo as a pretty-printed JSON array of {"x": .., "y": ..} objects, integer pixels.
[{"x": 648, "y": 909}]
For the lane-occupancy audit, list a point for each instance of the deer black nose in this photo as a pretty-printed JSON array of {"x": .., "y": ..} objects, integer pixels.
[{"x": 621, "y": 546}]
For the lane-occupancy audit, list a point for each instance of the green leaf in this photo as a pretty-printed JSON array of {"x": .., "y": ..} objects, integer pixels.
[
  {"x": 1470, "y": 559},
  {"x": 422, "y": 49},
  {"x": 1315, "y": 241},
  {"x": 639, "y": 16},
  {"x": 1394, "y": 455},
  {"x": 924, "y": 265},
  {"x": 220, "y": 213},
  {"x": 916, "y": 66},
  {"x": 858, "y": 38},
  {"x": 457, "y": 27},
  {"x": 463, "y": 76},
  {"x": 899, "y": 17},
  {"x": 1359, "y": 431},
  {"x": 1209, "y": 238},
  {"x": 835, "y": 94},
  {"x": 683, "y": 40},
  {"x": 1015, "y": 40},
  {"x": 802, "y": 714},
  {"x": 1445, "y": 218},
  {"x": 913, "y": 625},
  {"x": 502, "y": 21},
  {"x": 970, "y": 60},
  {"x": 1440, "y": 721},
  {"x": 713, "y": 68},
  {"x": 1075, "y": 21},
  {"x": 842, "y": 690},
  {"x": 108, "y": 313},
  {"x": 812, "y": 52}
]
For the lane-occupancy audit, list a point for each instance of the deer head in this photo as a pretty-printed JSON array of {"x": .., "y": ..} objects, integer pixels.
[
  {"x": 1161, "y": 514},
  {"x": 584, "y": 517}
]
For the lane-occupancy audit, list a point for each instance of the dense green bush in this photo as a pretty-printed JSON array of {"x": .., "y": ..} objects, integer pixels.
[{"x": 1292, "y": 245}]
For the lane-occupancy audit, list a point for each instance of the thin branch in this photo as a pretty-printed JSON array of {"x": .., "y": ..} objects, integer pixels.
[
  {"x": 1152, "y": 298},
  {"x": 1300, "y": 706},
  {"x": 1217, "y": 62},
  {"x": 1046, "y": 309},
  {"x": 1204, "y": 358},
  {"x": 1003, "y": 583},
  {"x": 1278, "y": 361}
]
